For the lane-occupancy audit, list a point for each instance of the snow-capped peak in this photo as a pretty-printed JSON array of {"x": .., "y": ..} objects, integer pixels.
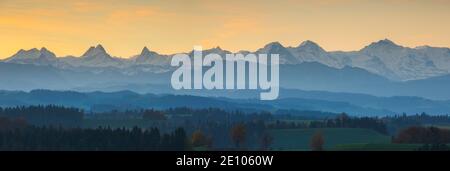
[
  {"x": 43, "y": 49},
  {"x": 386, "y": 40},
  {"x": 148, "y": 57},
  {"x": 311, "y": 46},
  {"x": 45, "y": 53},
  {"x": 145, "y": 51},
  {"x": 274, "y": 45},
  {"x": 145, "y": 54},
  {"x": 385, "y": 44},
  {"x": 423, "y": 47},
  {"x": 216, "y": 50},
  {"x": 95, "y": 51},
  {"x": 95, "y": 57},
  {"x": 23, "y": 52},
  {"x": 286, "y": 57},
  {"x": 309, "y": 51},
  {"x": 33, "y": 56}
]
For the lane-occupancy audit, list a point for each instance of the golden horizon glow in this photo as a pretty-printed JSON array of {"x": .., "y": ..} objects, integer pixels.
[{"x": 170, "y": 26}]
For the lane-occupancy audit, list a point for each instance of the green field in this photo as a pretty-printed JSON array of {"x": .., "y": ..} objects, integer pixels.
[
  {"x": 377, "y": 147},
  {"x": 299, "y": 139}
]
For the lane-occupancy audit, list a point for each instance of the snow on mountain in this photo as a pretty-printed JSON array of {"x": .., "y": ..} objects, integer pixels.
[
  {"x": 371, "y": 64},
  {"x": 95, "y": 57},
  {"x": 216, "y": 50},
  {"x": 404, "y": 62},
  {"x": 309, "y": 51},
  {"x": 33, "y": 56},
  {"x": 286, "y": 57},
  {"x": 148, "y": 57},
  {"x": 439, "y": 56},
  {"x": 383, "y": 57},
  {"x": 205, "y": 52}
]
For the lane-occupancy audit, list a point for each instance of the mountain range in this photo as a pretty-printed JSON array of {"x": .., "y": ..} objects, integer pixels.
[
  {"x": 381, "y": 78},
  {"x": 383, "y": 58}
]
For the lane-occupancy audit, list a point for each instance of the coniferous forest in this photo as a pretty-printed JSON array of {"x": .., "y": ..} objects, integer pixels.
[{"x": 59, "y": 128}]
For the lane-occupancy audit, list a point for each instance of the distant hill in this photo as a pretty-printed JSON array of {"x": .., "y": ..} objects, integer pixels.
[
  {"x": 306, "y": 76},
  {"x": 354, "y": 104},
  {"x": 123, "y": 100}
]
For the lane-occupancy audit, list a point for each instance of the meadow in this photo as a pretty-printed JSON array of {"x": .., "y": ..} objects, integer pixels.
[{"x": 299, "y": 139}]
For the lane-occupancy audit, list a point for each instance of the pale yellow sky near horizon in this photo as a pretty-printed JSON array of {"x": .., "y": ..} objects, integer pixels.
[{"x": 169, "y": 26}]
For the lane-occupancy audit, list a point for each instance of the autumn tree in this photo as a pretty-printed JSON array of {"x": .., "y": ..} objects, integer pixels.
[
  {"x": 317, "y": 142},
  {"x": 266, "y": 141},
  {"x": 238, "y": 134},
  {"x": 199, "y": 139},
  {"x": 423, "y": 135}
]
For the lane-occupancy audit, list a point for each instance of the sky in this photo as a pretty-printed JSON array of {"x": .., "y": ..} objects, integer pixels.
[{"x": 168, "y": 26}]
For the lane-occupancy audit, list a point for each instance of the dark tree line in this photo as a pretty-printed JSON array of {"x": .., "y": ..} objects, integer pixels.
[
  {"x": 151, "y": 114},
  {"x": 45, "y": 115},
  {"x": 184, "y": 114},
  {"x": 423, "y": 135},
  {"x": 216, "y": 115},
  {"x": 397, "y": 123},
  {"x": 213, "y": 123},
  {"x": 341, "y": 121},
  {"x": 25, "y": 137},
  {"x": 418, "y": 119}
]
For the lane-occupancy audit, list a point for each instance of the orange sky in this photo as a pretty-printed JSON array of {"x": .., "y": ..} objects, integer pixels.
[{"x": 168, "y": 26}]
